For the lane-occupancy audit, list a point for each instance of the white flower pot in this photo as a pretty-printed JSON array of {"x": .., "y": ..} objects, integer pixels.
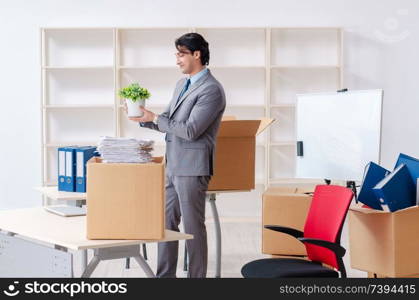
[{"x": 134, "y": 107}]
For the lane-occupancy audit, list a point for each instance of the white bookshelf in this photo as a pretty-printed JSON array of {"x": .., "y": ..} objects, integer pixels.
[{"x": 261, "y": 69}]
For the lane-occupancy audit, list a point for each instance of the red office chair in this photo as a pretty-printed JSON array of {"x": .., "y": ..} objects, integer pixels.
[{"x": 321, "y": 238}]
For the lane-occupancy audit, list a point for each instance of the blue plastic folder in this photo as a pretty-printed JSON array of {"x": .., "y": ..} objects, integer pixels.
[
  {"x": 61, "y": 168},
  {"x": 373, "y": 175},
  {"x": 70, "y": 168},
  {"x": 83, "y": 154},
  {"x": 412, "y": 165},
  {"x": 396, "y": 191}
]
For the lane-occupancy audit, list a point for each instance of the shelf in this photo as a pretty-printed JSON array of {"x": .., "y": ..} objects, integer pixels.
[
  {"x": 87, "y": 47},
  {"x": 82, "y": 29},
  {"x": 160, "y": 84},
  {"x": 282, "y": 180},
  {"x": 147, "y": 67},
  {"x": 236, "y": 46},
  {"x": 176, "y": 67},
  {"x": 158, "y": 106},
  {"x": 307, "y": 28},
  {"x": 305, "y": 47},
  {"x": 283, "y": 162},
  {"x": 287, "y": 83},
  {"x": 80, "y": 106},
  {"x": 53, "y": 145},
  {"x": 245, "y": 106},
  {"x": 262, "y": 69},
  {"x": 243, "y": 85},
  {"x": 252, "y": 112},
  {"x": 84, "y": 125},
  {"x": 146, "y": 47},
  {"x": 284, "y": 143},
  {"x": 86, "y": 86},
  {"x": 78, "y": 67},
  {"x": 235, "y": 67},
  {"x": 139, "y": 29},
  {"x": 283, "y": 105},
  {"x": 284, "y": 129},
  {"x": 52, "y": 192},
  {"x": 305, "y": 67}
]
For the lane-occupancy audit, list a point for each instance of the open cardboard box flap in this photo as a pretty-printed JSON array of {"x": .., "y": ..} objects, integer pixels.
[
  {"x": 231, "y": 127},
  {"x": 234, "y": 167},
  {"x": 264, "y": 123},
  {"x": 370, "y": 211}
]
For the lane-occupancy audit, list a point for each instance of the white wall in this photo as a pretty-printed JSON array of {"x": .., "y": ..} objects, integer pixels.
[{"x": 381, "y": 46}]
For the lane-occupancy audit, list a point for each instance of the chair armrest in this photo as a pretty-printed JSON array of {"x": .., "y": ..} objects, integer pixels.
[
  {"x": 287, "y": 230},
  {"x": 336, "y": 248}
]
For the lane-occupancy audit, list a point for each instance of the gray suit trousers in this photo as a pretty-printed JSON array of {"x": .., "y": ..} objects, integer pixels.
[{"x": 185, "y": 197}]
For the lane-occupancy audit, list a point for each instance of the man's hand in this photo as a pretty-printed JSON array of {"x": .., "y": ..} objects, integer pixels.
[{"x": 148, "y": 116}]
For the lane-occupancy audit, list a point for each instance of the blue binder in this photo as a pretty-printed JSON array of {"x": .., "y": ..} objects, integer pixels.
[
  {"x": 83, "y": 154},
  {"x": 412, "y": 165},
  {"x": 373, "y": 175},
  {"x": 61, "y": 168},
  {"x": 396, "y": 191},
  {"x": 70, "y": 169}
]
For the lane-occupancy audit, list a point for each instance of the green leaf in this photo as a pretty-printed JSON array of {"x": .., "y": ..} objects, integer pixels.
[{"x": 134, "y": 92}]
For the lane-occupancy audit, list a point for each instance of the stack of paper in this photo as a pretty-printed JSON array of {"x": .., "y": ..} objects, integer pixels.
[{"x": 125, "y": 150}]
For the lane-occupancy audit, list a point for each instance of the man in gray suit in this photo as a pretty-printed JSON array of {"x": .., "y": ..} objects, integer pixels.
[{"x": 191, "y": 123}]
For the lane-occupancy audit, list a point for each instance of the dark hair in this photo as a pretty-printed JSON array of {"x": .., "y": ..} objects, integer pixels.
[{"x": 195, "y": 42}]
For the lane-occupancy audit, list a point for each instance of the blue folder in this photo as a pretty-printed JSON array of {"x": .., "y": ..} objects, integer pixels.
[
  {"x": 396, "y": 191},
  {"x": 83, "y": 154},
  {"x": 373, "y": 175},
  {"x": 61, "y": 168},
  {"x": 412, "y": 165},
  {"x": 70, "y": 169}
]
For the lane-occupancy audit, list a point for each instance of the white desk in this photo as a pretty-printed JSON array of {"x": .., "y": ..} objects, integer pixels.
[
  {"x": 53, "y": 193},
  {"x": 77, "y": 199},
  {"x": 70, "y": 234}
]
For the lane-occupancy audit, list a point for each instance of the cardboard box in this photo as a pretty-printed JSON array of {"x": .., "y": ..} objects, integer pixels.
[
  {"x": 285, "y": 206},
  {"x": 384, "y": 243},
  {"x": 234, "y": 167},
  {"x": 125, "y": 201}
]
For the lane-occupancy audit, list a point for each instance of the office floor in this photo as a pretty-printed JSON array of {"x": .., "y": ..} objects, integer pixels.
[{"x": 241, "y": 242}]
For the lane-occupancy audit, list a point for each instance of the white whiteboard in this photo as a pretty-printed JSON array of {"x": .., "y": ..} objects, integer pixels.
[{"x": 340, "y": 132}]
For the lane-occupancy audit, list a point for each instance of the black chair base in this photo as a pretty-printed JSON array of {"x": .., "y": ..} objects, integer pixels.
[{"x": 285, "y": 268}]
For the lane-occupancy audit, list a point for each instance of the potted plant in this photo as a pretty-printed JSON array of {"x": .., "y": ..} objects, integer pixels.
[{"x": 134, "y": 96}]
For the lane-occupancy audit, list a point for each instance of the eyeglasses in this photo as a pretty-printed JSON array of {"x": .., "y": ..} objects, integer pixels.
[{"x": 182, "y": 53}]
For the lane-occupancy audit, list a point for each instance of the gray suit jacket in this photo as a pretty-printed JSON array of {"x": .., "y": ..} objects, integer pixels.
[{"x": 191, "y": 127}]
